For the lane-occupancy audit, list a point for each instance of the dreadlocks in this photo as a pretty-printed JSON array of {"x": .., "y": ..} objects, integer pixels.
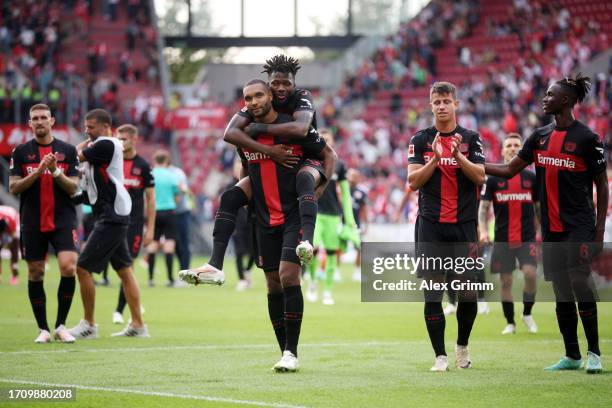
[
  {"x": 578, "y": 87},
  {"x": 281, "y": 63}
]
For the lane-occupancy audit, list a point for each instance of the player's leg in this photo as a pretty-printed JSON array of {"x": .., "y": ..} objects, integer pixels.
[
  {"x": 38, "y": 299},
  {"x": 433, "y": 314},
  {"x": 225, "y": 223},
  {"x": 14, "y": 248},
  {"x": 121, "y": 261},
  {"x": 290, "y": 273},
  {"x": 307, "y": 179},
  {"x": 556, "y": 268},
  {"x": 132, "y": 296},
  {"x": 528, "y": 265},
  {"x": 34, "y": 250},
  {"x": 582, "y": 285},
  {"x": 134, "y": 241},
  {"x": 168, "y": 248},
  {"x": 269, "y": 246},
  {"x": 101, "y": 244},
  {"x": 67, "y": 264},
  {"x": 276, "y": 307},
  {"x": 507, "y": 302},
  {"x": 435, "y": 321},
  {"x": 467, "y": 308},
  {"x": 152, "y": 249},
  {"x": 331, "y": 242}
]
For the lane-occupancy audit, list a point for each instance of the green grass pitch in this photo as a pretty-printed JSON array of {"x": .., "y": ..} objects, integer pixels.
[{"x": 214, "y": 347}]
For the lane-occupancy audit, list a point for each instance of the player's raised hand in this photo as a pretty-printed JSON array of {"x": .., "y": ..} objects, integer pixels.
[
  {"x": 52, "y": 162},
  {"x": 455, "y": 143},
  {"x": 436, "y": 146},
  {"x": 44, "y": 164},
  {"x": 283, "y": 155}
]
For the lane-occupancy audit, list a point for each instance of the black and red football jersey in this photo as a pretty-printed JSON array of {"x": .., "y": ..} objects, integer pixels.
[
  {"x": 566, "y": 161},
  {"x": 274, "y": 191},
  {"x": 448, "y": 196},
  {"x": 45, "y": 206},
  {"x": 299, "y": 100},
  {"x": 513, "y": 204},
  {"x": 137, "y": 177}
]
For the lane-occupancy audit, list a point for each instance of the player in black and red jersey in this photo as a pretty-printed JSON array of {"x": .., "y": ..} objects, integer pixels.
[
  {"x": 569, "y": 158},
  {"x": 281, "y": 72},
  {"x": 446, "y": 165},
  {"x": 275, "y": 201},
  {"x": 43, "y": 171},
  {"x": 9, "y": 237},
  {"x": 139, "y": 182},
  {"x": 514, "y": 203}
]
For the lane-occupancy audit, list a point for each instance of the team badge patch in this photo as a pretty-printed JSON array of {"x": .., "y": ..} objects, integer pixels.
[
  {"x": 410, "y": 151},
  {"x": 570, "y": 146}
]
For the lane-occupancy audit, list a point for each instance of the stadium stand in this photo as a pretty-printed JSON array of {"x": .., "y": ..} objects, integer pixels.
[
  {"x": 501, "y": 64},
  {"x": 74, "y": 52}
]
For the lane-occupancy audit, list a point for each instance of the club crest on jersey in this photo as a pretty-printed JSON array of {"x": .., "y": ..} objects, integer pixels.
[
  {"x": 464, "y": 147},
  {"x": 60, "y": 156},
  {"x": 570, "y": 146},
  {"x": 410, "y": 151},
  {"x": 136, "y": 171},
  {"x": 527, "y": 184}
]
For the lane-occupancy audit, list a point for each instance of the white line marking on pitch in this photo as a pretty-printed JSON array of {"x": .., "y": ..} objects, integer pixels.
[
  {"x": 154, "y": 393},
  {"x": 255, "y": 346},
  {"x": 197, "y": 347}
]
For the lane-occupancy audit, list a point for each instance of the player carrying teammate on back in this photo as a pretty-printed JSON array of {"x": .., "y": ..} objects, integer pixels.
[
  {"x": 278, "y": 223},
  {"x": 313, "y": 174},
  {"x": 446, "y": 165},
  {"x": 514, "y": 202},
  {"x": 569, "y": 158}
]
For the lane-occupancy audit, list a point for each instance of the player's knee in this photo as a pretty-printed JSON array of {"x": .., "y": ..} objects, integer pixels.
[
  {"x": 273, "y": 282},
  {"x": 530, "y": 273},
  {"x": 36, "y": 273},
  {"x": 305, "y": 181},
  {"x": 68, "y": 270},
  {"x": 233, "y": 199},
  {"x": 506, "y": 281}
]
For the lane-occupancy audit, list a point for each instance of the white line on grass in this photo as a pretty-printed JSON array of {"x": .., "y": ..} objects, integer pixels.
[
  {"x": 256, "y": 346},
  {"x": 198, "y": 347},
  {"x": 154, "y": 393}
]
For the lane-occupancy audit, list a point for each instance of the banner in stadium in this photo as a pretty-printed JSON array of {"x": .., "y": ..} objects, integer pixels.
[
  {"x": 13, "y": 135},
  {"x": 199, "y": 117}
]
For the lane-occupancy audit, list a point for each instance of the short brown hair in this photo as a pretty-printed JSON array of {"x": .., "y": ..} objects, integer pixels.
[
  {"x": 443, "y": 88},
  {"x": 40, "y": 106},
  {"x": 513, "y": 135},
  {"x": 100, "y": 116},
  {"x": 161, "y": 156},
  {"x": 128, "y": 128}
]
